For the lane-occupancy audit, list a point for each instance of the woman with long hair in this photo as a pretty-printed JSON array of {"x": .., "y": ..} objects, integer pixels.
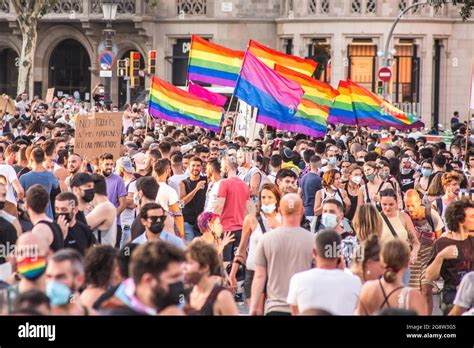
[
  {"x": 421, "y": 183},
  {"x": 367, "y": 221},
  {"x": 366, "y": 261},
  {"x": 352, "y": 187},
  {"x": 331, "y": 189},
  {"x": 390, "y": 291},
  {"x": 265, "y": 219}
]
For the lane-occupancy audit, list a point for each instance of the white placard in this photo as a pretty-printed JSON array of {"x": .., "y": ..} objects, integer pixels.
[
  {"x": 106, "y": 73},
  {"x": 226, "y": 7}
]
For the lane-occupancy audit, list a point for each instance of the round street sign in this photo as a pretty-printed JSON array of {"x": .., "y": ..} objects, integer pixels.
[
  {"x": 106, "y": 60},
  {"x": 385, "y": 74}
]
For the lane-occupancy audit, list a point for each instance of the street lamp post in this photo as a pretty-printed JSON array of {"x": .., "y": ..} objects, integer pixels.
[
  {"x": 385, "y": 53},
  {"x": 109, "y": 10}
]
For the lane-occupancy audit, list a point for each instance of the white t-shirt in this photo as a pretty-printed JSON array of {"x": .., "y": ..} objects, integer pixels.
[
  {"x": 128, "y": 215},
  {"x": 167, "y": 196},
  {"x": 332, "y": 290},
  {"x": 176, "y": 179},
  {"x": 211, "y": 197},
  {"x": 9, "y": 173}
]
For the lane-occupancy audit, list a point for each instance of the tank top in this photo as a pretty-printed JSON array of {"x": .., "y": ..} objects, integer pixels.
[
  {"x": 58, "y": 238},
  {"x": 108, "y": 236},
  {"x": 208, "y": 306},
  {"x": 255, "y": 237},
  {"x": 196, "y": 206},
  {"x": 398, "y": 227},
  {"x": 353, "y": 199},
  {"x": 336, "y": 195}
]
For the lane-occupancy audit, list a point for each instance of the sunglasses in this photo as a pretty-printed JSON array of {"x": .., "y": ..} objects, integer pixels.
[{"x": 154, "y": 219}]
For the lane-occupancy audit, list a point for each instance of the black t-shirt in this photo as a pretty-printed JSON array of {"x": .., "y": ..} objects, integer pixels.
[
  {"x": 453, "y": 270},
  {"x": 81, "y": 217},
  {"x": 7, "y": 237},
  {"x": 137, "y": 228},
  {"x": 79, "y": 237},
  {"x": 407, "y": 181}
]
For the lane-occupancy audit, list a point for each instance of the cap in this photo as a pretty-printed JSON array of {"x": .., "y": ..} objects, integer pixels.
[
  {"x": 80, "y": 179},
  {"x": 287, "y": 152},
  {"x": 139, "y": 159},
  {"x": 126, "y": 163}
]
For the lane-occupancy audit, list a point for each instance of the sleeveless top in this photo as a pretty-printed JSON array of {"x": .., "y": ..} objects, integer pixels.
[
  {"x": 403, "y": 297},
  {"x": 336, "y": 195},
  {"x": 353, "y": 199},
  {"x": 58, "y": 238},
  {"x": 255, "y": 237},
  {"x": 246, "y": 176},
  {"x": 207, "y": 308},
  {"x": 196, "y": 206},
  {"x": 398, "y": 227},
  {"x": 107, "y": 236}
]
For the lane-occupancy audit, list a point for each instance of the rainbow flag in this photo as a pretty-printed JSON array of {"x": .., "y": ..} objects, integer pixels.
[
  {"x": 202, "y": 93},
  {"x": 214, "y": 64},
  {"x": 315, "y": 113},
  {"x": 276, "y": 97},
  {"x": 32, "y": 267},
  {"x": 317, "y": 91},
  {"x": 342, "y": 111},
  {"x": 271, "y": 57},
  {"x": 172, "y": 104},
  {"x": 373, "y": 111}
]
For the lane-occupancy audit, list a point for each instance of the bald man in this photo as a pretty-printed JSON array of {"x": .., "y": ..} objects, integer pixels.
[
  {"x": 279, "y": 255},
  {"x": 31, "y": 255},
  {"x": 429, "y": 226}
]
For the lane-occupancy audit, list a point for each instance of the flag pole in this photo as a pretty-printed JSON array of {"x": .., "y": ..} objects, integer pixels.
[{"x": 225, "y": 115}]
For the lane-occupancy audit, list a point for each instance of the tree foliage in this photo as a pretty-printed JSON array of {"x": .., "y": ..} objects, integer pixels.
[{"x": 466, "y": 6}]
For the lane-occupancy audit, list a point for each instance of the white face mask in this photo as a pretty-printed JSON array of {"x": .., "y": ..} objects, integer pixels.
[{"x": 356, "y": 179}]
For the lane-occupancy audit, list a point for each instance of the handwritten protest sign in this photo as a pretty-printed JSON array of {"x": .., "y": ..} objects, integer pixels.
[
  {"x": 49, "y": 95},
  {"x": 7, "y": 105},
  {"x": 98, "y": 134}
]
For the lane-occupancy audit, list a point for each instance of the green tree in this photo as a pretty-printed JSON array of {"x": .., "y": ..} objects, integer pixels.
[{"x": 466, "y": 6}]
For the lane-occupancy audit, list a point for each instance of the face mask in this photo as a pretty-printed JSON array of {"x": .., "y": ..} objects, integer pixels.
[
  {"x": 2, "y": 205},
  {"x": 157, "y": 225},
  {"x": 32, "y": 267},
  {"x": 268, "y": 209},
  {"x": 228, "y": 134},
  {"x": 58, "y": 293},
  {"x": 383, "y": 176},
  {"x": 268, "y": 135},
  {"x": 175, "y": 295},
  {"x": 67, "y": 216},
  {"x": 88, "y": 195},
  {"x": 370, "y": 177},
  {"x": 405, "y": 170},
  {"x": 426, "y": 172},
  {"x": 329, "y": 220},
  {"x": 332, "y": 161},
  {"x": 356, "y": 179}
]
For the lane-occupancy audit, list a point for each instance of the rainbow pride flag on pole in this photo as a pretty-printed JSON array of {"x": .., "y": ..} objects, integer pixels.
[
  {"x": 271, "y": 57},
  {"x": 316, "y": 91},
  {"x": 342, "y": 111},
  {"x": 214, "y": 64},
  {"x": 172, "y": 104},
  {"x": 276, "y": 97}
]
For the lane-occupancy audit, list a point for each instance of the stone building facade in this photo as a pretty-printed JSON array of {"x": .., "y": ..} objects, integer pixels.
[{"x": 431, "y": 51}]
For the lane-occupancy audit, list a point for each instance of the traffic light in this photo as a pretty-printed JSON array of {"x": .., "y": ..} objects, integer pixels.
[
  {"x": 152, "y": 62},
  {"x": 122, "y": 70},
  {"x": 380, "y": 87},
  {"x": 134, "y": 69}
]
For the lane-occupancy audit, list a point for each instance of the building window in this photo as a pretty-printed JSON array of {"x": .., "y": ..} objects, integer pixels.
[
  {"x": 320, "y": 51},
  {"x": 406, "y": 74},
  {"x": 356, "y": 6},
  {"x": 5, "y": 6},
  {"x": 371, "y": 6},
  {"x": 288, "y": 46},
  {"x": 313, "y": 6},
  {"x": 192, "y": 7},
  {"x": 67, "y": 7},
  {"x": 402, "y": 5},
  {"x": 362, "y": 63},
  {"x": 325, "y": 6}
]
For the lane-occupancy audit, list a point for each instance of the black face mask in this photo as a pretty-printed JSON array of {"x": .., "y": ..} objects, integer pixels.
[
  {"x": 88, "y": 195},
  {"x": 67, "y": 216},
  {"x": 157, "y": 224},
  {"x": 173, "y": 297},
  {"x": 2, "y": 205}
]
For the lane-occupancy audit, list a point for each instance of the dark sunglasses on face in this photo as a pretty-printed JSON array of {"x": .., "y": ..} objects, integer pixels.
[{"x": 154, "y": 219}]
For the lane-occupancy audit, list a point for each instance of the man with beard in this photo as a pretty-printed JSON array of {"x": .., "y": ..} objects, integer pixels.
[
  {"x": 286, "y": 180},
  {"x": 155, "y": 286},
  {"x": 193, "y": 196},
  {"x": 153, "y": 218},
  {"x": 451, "y": 182},
  {"x": 65, "y": 277},
  {"x": 74, "y": 165},
  {"x": 116, "y": 191}
]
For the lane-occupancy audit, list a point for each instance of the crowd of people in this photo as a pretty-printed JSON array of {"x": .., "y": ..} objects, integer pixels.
[{"x": 188, "y": 222}]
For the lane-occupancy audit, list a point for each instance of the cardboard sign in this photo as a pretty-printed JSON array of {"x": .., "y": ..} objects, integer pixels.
[
  {"x": 97, "y": 134},
  {"x": 7, "y": 105},
  {"x": 49, "y": 95}
]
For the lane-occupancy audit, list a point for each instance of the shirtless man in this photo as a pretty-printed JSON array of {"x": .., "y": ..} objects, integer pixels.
[{"x": 102, "y": 219}]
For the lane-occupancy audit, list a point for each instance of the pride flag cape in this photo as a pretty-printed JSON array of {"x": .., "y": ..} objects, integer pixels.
[
  {"x": 172, "y": 104},
  {"x": 276, "y": 97},
  {"x": 316, "y": 91},
  {"x": 271, "y": 57},
  {"x": 214, "y": 64}
]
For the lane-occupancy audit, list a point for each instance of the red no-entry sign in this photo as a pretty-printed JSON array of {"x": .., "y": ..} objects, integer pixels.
[{"x": 385, "y": 74}]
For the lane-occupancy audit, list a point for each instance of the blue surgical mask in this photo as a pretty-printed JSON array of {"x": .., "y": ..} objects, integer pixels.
[
  {"x": 228, "y": 134},
  {"x": 269, "y": 135},
  {"x": 426, "y": 172},
  {"x": 370, "y": 177},
  {"x": 329, "y": 220},
  {"x": 268, "y": 209},
  {"x": 59, "y": 294},
  {"x": 332, "y": 161}
]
